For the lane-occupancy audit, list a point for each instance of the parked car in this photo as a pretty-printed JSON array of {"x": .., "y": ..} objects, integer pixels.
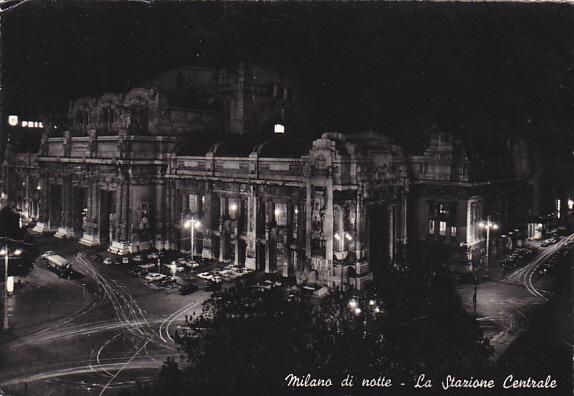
[
  {"x": 48, "y": 253},
  {"x": 147, "y": 265},
  {"x": 108, "y": 261},
  {"x": 167, "y": 283},
  {"x": 191, "y": 264},
  {"x": 125, "y": 260},
  {"x": 174, "y": 267},
  {"x": 548, "y": 242},
  {"x": 138, "y": 272},
  {"x": 205, "y": 275},
  {"x": 153, "y": 255},
  {"x": 188, "y": 288},
  {"x": 154, "y": 276},
  {"x": 265, "y": 285},
  {"x": 138, "y": 258}
]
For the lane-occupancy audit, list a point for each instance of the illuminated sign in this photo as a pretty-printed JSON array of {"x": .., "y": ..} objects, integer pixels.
[{"x": 13, "y": 120}]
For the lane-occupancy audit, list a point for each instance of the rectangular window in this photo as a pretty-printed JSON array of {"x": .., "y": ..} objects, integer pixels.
[
  {"x": 193, "y": 203},
  {"x": 431, "y": 226},
  {"x": 281, "y": 214},
  {"x": 453, "y": 231},
  {"x": 442, "y": 228}
]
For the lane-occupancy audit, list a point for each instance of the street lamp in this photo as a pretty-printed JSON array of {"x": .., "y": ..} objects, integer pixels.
[
  {"x": 5, "y": 252},
  {"x": 341, "y": 236},
  {"x": 232, "y": 209},
  {"x": 192, "y": 224},
  {"x": 488, "y": 225}
]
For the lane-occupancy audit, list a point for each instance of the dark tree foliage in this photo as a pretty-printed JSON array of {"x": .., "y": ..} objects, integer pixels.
[
  {"x": 247, "y": 341},
  {"x": 10, "y": 224}
]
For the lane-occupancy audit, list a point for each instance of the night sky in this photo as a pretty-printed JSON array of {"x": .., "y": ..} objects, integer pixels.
[{"x": 399, "y": 69}]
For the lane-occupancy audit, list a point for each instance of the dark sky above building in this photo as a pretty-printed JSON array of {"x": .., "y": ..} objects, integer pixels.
[{"x": 397, "y": 68}]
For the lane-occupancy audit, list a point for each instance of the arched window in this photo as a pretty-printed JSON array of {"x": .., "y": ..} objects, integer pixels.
[
  {"x": 107, "y": 117},
  {"x": 138, "y": 118}
]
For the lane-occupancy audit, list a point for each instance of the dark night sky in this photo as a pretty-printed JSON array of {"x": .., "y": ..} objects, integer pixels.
[{"x": 484, "y": 69}]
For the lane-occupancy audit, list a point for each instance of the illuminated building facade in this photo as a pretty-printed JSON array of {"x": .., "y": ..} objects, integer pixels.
[{"x": 217, "y": 146}]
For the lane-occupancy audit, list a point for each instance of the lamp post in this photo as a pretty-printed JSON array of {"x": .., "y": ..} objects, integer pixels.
[
  {"x": 6, "y": 254},
  {"x": 371, "y": 308},
  {"x": 192, "y": 223},
  {"x": 488, "y": 225},
  {"x": 341, "y": 236},
  {"x": 232, "y": 209}
]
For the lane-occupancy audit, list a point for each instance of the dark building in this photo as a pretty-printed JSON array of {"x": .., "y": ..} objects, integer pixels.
[{"x": 233, "y": 149}]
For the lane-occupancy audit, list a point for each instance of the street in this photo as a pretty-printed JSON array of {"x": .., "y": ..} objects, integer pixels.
[
  {"x": 84, "y": 336},
  {"x": 504, "y": 306}
]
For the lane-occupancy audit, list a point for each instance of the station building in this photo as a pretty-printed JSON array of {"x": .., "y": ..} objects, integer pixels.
[{"x": 232, "y": 151}]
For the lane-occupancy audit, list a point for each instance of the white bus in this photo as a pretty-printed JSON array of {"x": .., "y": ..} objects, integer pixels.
[{"x": 54, "y": 261}]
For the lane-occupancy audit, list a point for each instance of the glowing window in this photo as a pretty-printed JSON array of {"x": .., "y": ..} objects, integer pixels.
[
  {"x": 453, "y": 231},
  {"x": 442, "y": 228},
  {"x": 193, "y": 207},
  {"x": 280, "y": 213},
  {"x": 279, "y": 128},
  {"x": 431, "y": 226}
]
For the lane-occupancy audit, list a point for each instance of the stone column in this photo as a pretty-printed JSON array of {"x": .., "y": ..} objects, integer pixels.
[
  {"x": 288, "y": 269},
  {"x": 302, "y": 215},
  {"x": 91, "y": 236},
  {"x": 222, "y": 230},
  {"x": 328, "y": 233},
  {"x": 66, "y": 229},
  {"x": 27, "y": 195},
  {"x": 308, "y": 223},
  {"x": 208, "y": 223},
  {"x": 251, "y": 248},
  {"x": 271, "y": 238},
  {"x": 120, "y": 245},
  {"x": 404, "y": 219},
  {"x": 172, "y": 220},
  {"x": 235, "y": 230},
  {"x": 43, "y": 223}
]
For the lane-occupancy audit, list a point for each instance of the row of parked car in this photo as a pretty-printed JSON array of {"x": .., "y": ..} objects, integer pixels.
[
  {"x": 516, "y": 258},
  {"x": 228, "y": 273},
  {"x": 549, "y": 241}
]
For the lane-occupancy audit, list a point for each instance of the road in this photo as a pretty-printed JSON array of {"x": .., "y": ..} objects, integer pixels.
[
  {"x": 103, "y": 332},
  {"x": 503, "y": 305}
]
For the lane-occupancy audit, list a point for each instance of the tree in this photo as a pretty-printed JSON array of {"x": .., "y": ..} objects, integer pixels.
[{"x": 247, "y": 341}]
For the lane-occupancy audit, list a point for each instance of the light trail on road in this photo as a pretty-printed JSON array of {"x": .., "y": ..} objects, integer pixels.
[{"x": 525, "y": 275}]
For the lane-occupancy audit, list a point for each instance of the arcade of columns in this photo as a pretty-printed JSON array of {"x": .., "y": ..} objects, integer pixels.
[{"x": 316, "y": 223}]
